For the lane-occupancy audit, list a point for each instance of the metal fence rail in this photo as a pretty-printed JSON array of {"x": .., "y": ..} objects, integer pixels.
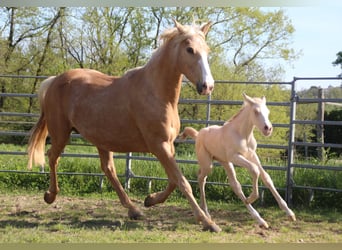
[{"x": 288, "y": 168}]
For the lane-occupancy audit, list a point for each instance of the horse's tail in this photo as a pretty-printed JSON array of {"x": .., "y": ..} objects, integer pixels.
[
  {"x": 36, "y": 144},
  {"x": 188, "y": 131}
]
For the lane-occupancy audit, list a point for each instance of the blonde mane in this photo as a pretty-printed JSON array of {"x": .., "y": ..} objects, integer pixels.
[
  {"x": 244, "y": 105},
  {"x": 174, "y": 35}
]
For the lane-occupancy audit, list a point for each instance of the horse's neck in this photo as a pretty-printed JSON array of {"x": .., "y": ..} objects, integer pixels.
[
  {"x": 164, "y": 77},
  {"x": 242, "y": 123}
]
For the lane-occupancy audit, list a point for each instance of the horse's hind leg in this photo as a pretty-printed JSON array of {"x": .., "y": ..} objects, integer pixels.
[
  {"x": 57, "y": 145},
  {"x": 161, "y": 196},
  {"x": 107, "y": 165}
]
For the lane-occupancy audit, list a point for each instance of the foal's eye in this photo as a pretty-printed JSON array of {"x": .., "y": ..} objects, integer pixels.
[
  {"x": 257, "y": 111},
  {"x": 190, "y": 50}
]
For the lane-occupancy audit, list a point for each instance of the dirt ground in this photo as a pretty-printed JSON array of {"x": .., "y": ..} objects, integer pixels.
[{"x": 97, "y": 218}]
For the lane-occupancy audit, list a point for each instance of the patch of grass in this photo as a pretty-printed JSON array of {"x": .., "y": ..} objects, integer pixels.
[
  {"x": 26, "y": 218},
  {"x": 85, "y": 185}
]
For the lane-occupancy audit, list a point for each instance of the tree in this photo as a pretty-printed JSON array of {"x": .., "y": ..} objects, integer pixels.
[{"x": 338, "y": 61}]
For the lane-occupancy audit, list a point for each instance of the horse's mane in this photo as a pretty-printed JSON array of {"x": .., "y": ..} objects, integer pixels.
[
  {"x": 173, "y": 34},
  {"x": 245, "y": 104},
  {"x": 236, "y": 115}
]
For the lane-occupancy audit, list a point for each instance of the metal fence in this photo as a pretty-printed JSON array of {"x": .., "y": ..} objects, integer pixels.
[{"x": 10, "y": 119}]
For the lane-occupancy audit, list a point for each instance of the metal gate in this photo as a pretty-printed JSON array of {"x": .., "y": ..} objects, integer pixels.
[{"x": 9, "y": 118}]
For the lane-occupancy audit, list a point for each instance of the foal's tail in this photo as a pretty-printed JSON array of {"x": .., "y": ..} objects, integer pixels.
[
  {"x": 188, "y": 131},
  {"x": 36, "y": 144}
]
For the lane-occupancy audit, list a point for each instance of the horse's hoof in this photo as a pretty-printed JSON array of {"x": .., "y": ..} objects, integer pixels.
[
  {"x": 148, "y": 201},
  {"x": 135, "y": 214},
  {"x": 49, "y": 197},
  {"x": 212, "y": 228},
  {"x": 292, "y": 217},
  {"x": 264, "y": 225}
]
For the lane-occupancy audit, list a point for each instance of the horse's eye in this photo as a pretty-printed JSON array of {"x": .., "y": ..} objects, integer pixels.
[
  {"x": 257, "y": 111},
  {"x": 190, "y": 50}
]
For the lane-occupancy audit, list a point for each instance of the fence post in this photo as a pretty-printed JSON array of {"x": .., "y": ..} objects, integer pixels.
[
  {"x": 128, "y": 171},
  {"x": 291, "y": 147},
  {"x": 320, "y": 127},
  {"x": 208, "y": 110}
]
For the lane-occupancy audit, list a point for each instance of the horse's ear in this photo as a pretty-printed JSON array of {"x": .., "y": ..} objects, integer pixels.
[
  {"x": 247, "y": 98},
  {"x": 178, "y": 26},
  {"x": 205, "y": 28},
  {"x": 263, "y": 98}
]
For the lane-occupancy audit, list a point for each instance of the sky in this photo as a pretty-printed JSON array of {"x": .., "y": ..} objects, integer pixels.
[{"x": 319, "y": 36}]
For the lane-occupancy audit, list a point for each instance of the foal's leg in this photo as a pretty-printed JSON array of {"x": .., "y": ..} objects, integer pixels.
[
  {"x": 266, "y": 179},
  {"x": 107, "y": 165},
  {"x": 205, "y": 163},
  {"x": 165, "y": 156},
  {"x": 236, "y": 186},
  {"x": 253, "y": 170}
]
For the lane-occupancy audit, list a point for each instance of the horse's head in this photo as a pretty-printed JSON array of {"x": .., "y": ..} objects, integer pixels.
[
  {"x": 259, "y": 113},
  {"x": 192, "y": 55}
]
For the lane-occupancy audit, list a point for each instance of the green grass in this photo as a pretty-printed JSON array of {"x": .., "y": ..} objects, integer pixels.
[
  {"x": 86, "y": 185},
  {"x": 85, "y": 214}
]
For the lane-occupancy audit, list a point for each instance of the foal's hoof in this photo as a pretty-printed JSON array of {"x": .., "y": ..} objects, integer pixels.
[
  {"x": 212, "y": 228},
  {"x": 264, "y": 225},
  {"x": 49, "y": 197},
  {"x": 292, "y": 217},
  {"x": 135, "y": 214}
]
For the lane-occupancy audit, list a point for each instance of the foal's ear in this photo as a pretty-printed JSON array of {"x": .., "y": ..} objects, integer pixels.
[
  {"x": 263, "y": 99},
  {"x": 247, "y": 98},
  {"x": 205, "y": 28}
]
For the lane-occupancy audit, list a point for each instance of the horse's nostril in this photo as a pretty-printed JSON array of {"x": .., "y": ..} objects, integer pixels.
[{"x": 268, "y": 128}]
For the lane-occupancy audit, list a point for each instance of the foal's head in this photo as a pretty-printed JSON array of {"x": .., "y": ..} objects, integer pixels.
[
  {"x": 191, "y": 52},
  {"x": 259, "y": 114}
]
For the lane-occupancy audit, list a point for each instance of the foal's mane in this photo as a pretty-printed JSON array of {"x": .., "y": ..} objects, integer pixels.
[
  {"x": 236, "y": 115},
  {"x": 245, "y": 104}
]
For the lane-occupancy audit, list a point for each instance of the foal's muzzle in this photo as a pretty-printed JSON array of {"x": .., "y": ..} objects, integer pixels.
[
  {"x": 204, "y": 88},
  {"x": 267, "y": 130}
]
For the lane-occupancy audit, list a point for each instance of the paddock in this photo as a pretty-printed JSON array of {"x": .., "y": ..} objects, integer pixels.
[
  {"x": 99, "y": 219},
  {"x": 15, "y": 124}
]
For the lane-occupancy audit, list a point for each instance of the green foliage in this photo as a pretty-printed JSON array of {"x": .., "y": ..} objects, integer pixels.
[{"x": 85, "y": 185}]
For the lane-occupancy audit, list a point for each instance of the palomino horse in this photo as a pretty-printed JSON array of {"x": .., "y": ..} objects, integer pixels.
[
  {"x": 234, "y": 143},
  {"x": 133, "y": 113}
]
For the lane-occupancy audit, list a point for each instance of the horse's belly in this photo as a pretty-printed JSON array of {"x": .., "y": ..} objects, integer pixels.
[{"x": 115, "y": 141}]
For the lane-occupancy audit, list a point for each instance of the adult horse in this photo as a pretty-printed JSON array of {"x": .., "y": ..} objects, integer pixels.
[
  {"x": 234, "y": 143},
  {"x": 133, "y": 113}
]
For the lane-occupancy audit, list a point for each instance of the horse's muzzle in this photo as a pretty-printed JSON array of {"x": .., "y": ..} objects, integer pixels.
[
  {"x": 204, "y": 88},
  {"x": 267, "y": 130}
]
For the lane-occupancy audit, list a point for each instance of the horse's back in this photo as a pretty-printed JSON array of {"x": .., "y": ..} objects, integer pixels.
[{"x": 84, "y": 77}]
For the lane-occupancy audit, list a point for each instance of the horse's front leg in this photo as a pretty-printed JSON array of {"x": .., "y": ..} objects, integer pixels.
[
  {"x": 266, "y": 179},
  {"x": 175, "y": 176},
  {"x": 236, "y": 186},
  {"x": 254, "y": 171},
  {"x": 107, "y": 165}
]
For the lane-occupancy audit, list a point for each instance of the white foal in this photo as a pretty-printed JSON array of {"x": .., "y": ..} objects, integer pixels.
[{"x": 234, "y": 143}]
